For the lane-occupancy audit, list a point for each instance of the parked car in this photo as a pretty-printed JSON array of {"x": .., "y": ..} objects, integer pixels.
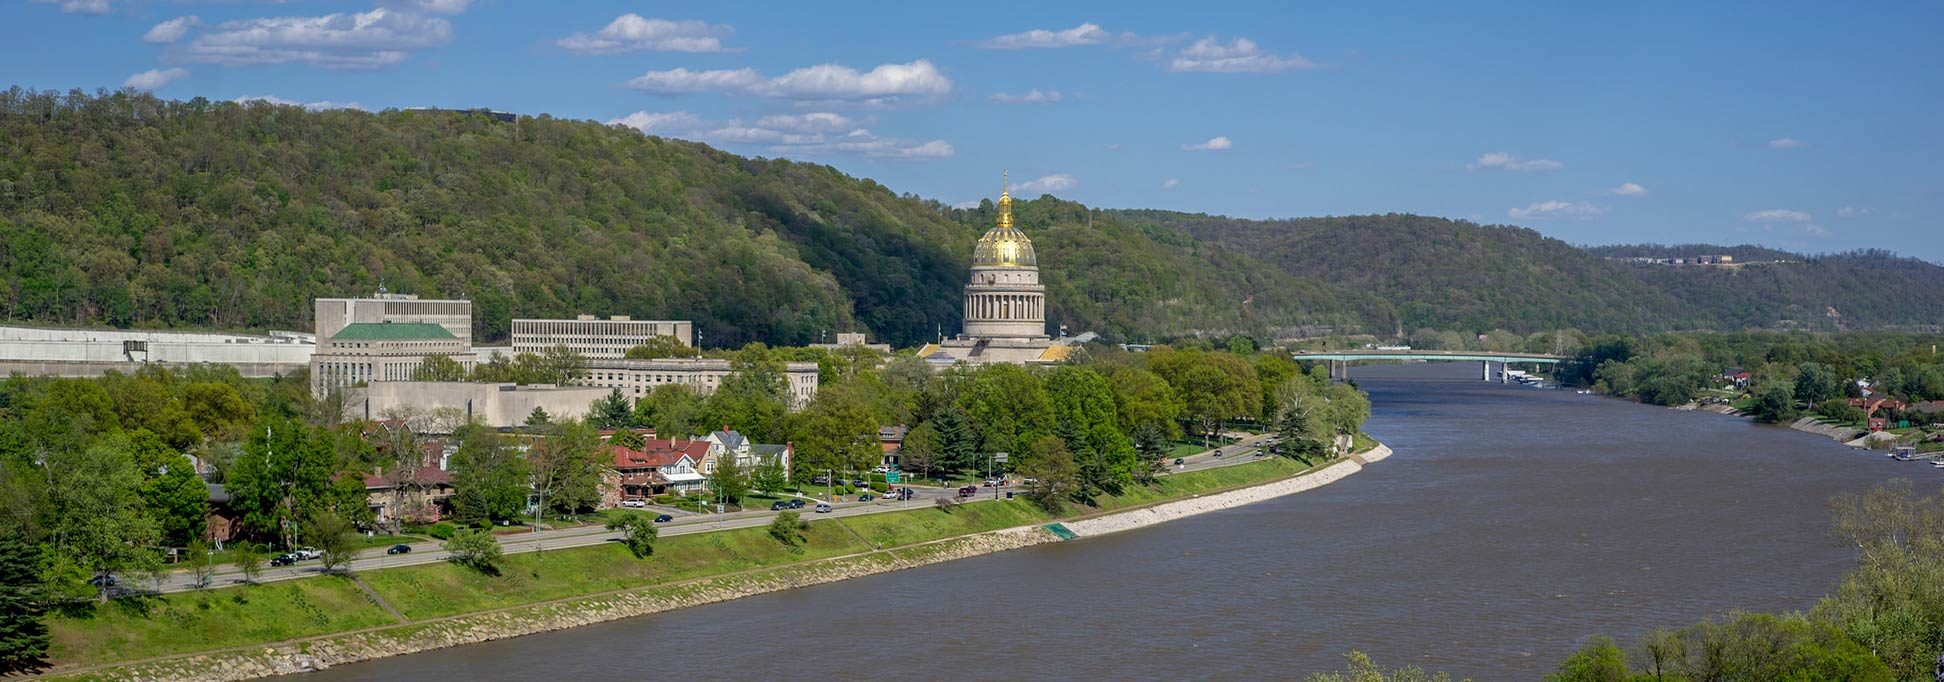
[
  {"x": 823, "y": 507},
  {"x": 399, "y": 549},
  {"x": 1179, "y": 461},
  {"x": 819, "y": 480},
  {"x": 1218, "y": 453},
  {"x": 880, "y": 469},
  {"x": 664, "y": 518},
  {"x": 859, "y": 483},
  {"x": 866, "y": 497},
  {"x": 902, "y": 494},
  {"x": 285, "y": 559},
  {"x": 103, "y": 580},
  {"x": 779, "y": 505},
  {"x": 307, "y": 553},
  {"x": 968, "y": 491},
  {"x": 635, "y": 504}
]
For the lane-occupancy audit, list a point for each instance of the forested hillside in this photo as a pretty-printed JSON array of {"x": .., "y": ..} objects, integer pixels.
[
  {"x": 125, "y": 210},
  {"x": 1453, "y": 274}
]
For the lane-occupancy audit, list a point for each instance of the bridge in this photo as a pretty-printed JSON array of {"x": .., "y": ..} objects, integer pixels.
[{"x": 1340, "y": 359}]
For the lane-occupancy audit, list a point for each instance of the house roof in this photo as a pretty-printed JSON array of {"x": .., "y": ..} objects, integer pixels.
[
  {"x": 657, "y": 453},
  {"x": 768, "y": 449},
  {"x": 426, "y": 475},
  {"x": 1929, "y": 406},
  {"x": 730, "y": 440},
  {"x": 371, "y": 331}
]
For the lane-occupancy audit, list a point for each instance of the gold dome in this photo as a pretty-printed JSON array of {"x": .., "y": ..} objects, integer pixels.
[{"x": 1004, "y": 245}]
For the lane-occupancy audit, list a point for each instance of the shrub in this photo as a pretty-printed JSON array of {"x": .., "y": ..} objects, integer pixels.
[
  {"x": 637, "y": 532},
  {"x": 788, "y": 528},
  {"x": 879, "y": 486},
  {"x": 440, "y": 531},
  {"x": 476, "y": 550}
]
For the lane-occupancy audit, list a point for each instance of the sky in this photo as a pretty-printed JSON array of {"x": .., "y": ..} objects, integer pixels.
[{"x": 1812, "y": 127}]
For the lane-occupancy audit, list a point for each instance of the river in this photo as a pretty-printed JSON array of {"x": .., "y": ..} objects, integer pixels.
[{"x": 1512, "y": 523}]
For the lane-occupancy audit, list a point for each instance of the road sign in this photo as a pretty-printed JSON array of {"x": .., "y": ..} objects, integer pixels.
[
  {"x": 1001, "y": 457},
  {"x": 890, "y": 477}
]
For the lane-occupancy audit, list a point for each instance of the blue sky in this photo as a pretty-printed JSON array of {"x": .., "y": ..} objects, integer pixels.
[{"x": 1807, "y": 126}]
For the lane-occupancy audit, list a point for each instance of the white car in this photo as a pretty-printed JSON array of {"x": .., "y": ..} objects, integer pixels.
[
  {"x": 635, "y": 504},
  {"x": 880, "y": 470},
  {"x": 307, "y": 553}
]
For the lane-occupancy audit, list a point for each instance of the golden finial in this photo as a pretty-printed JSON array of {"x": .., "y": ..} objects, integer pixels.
[{"x": 1005, "y": 202}]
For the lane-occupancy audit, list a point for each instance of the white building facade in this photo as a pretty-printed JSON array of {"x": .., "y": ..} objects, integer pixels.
[
  {"x": 637, "y": 378},
  {"x": 597, "y": 339}
]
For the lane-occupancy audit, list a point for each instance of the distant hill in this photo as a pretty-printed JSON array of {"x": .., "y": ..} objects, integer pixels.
[
  {"x": 127, "y": 210},
  {"x": 1743, "y": 253}
]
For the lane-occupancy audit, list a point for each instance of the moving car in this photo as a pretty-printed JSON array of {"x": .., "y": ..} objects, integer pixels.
[
  {"x": 1178, "y": 461},
  {"x": 103, "y": 580},
  {"x": 307, "y": 553},
  {"x": 781, "y": 505},
  {"x": 823, "y": 507},
  {"x": 968, "y": 491},
  {"x": 399, "y": 549},
  {"x": 866, "y": 497},
  {"x": 285, "y": 559},
  {"x": 664, "y": 518}
]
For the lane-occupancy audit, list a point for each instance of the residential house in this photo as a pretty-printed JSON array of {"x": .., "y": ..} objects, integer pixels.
[
  {"x": 1736, "y": 375},
  {"x": 660, "y": 467},
  {"x": 421, "y": 494},
  {"x": 891, "y": 442}
]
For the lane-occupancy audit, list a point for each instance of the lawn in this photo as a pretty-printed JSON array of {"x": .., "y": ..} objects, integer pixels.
[
  {"x": 1361, "y": 443},
  {"x": 433, "y": 590},
  {"x": 931, "y": 523},
  {"x": 141, "y": 627},
  {"x": 1197, "y": 482}
]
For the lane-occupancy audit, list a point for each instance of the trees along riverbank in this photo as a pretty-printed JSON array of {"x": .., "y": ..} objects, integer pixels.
[{"x": 96, "y": 474}]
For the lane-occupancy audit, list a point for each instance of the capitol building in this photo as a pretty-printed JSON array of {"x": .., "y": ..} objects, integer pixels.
[{"x": 1005, "y": 304}]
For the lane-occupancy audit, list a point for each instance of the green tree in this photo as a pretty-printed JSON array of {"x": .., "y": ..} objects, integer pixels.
[
  {"x": 1053, "y": 473},
  {"x": 728, "y": 481},
  {"x": 439, "y": 368},
  {"x": 561, "y": 366},
  {"x": 627, "y": 438},
  {"x": 1362, "y": 669},
  {"x": 789, "y": 528},
  {"x": 284, "y": 475},
  {"x": 612, "y": 411},
  {"x": 769, "y": 476},
  {"x": 958, "y": 442},
  {"x": 248, "y": 558},
  {"x": 333, "y": 538},
  {"x": 218, "y": 409},
  {"x": 660, "y": 347},
  {"x": 1215, "y": 387},
  {"x": 1774, "y": 404},
  {"x": 1890, "y": 603},
  {"x": 1599, "y": 660},
  {"x": 637, "y": 532},
  {"x": 201, "y": 564},
  {"x": 1083, "y": 400},
  {"x": 1816, "y": 382},
  {"x": 98, "y": 525},
  {"x": 672, "y": 410},
  {"x": 477, "y": 550},
  {"x": 1007, "y": 407},
  {"x": 837, "y": 432},
  {"x": 171, "y": 492},
  {"x": 920, "y": 450},
  {"x": 539, "y": 417},
  {"x": 566, "y": 466},
  {"x": 23, "y": 635},
  {"x": 752, "y": 396}
]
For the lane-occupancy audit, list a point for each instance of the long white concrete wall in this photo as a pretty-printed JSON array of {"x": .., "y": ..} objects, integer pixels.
[
  {"x": 89, "y": 352},
  {"x": 1163, "y": 513}
]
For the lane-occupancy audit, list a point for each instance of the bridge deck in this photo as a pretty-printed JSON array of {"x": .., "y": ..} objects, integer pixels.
[{"x": 1448, "y": 355}]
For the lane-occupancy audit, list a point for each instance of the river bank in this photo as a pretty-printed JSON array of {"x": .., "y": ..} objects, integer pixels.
[
  {"x": 436, "y": 632},
  {"x": 1853, "y": 437}
]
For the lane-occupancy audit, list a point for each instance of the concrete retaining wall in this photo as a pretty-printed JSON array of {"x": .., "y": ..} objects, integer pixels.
[{"x": 1163, "y": 513}]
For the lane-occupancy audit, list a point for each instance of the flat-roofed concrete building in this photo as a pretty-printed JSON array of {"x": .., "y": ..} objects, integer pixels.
[
  {"x": 333, "y": 314},
  {"x": 636, "y": 378},
  {"x": 594, "y": 338},
  {"x": 372, "y": 352},
  {"x": 495, "y": 405}
]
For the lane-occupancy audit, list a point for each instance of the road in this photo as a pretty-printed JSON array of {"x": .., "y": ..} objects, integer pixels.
[{"x": 582, "y": 536}]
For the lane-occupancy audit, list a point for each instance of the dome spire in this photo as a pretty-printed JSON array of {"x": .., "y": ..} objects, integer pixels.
[{"x": 1005, "y": 202}]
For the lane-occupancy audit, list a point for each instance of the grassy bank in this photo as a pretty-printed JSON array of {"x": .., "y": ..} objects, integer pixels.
[{"x": 177, "y": 623}]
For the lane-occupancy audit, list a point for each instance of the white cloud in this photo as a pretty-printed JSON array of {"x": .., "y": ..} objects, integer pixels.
[
  {"x": 171, "y": 30},
  {"x": 379, "y": 38},
  {"x": 431, "y": 6},
  {"x": 681, "y": 81},
  {"x": 1082, "y": 35},
  {"x": 1627, "y": 190},
  {"x": 1778, "y": 215},
  {"x": 1171, "y": 183},
  {"x": 814, "y": 134},
  {"x": 826, "y": 82},
  {"x": 632, "y": 33},
  {"x": 1504, "y": 161},
  {"x": 1556, "y": 209},
  {"x": 1786, "y": 143},
  {"x": 154, "y": 78},
  {"x": 1033, "y": 97},
  {"x": 80, "y": 6},
  {"x": 1213, "y": 143},
  {"x": 1056, "y": 182},
  {"x": 1238, "y": 56}
]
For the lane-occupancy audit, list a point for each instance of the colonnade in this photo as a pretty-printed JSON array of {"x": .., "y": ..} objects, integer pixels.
[{"x": 1005, "y": 307}]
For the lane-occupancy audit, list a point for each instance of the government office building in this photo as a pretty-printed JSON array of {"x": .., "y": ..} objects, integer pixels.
[{"x": 597, "y": 339}]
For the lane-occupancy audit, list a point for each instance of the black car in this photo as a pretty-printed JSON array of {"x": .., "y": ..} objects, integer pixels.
[
  {"x": 283, "y": 560},
  {"x": 779, "y": 505},
  {"x": 866, "y": 497},
  {"x": 399, "y": 549},
  {"x": 796, "y": 503},
  {"x": 664, "y": 518},
  {"x": 1178, "y": 461},
  {"x": 102, "y": 581}
]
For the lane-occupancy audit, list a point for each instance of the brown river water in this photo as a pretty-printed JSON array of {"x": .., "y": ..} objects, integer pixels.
[{"x": 1512, "y": 523}]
